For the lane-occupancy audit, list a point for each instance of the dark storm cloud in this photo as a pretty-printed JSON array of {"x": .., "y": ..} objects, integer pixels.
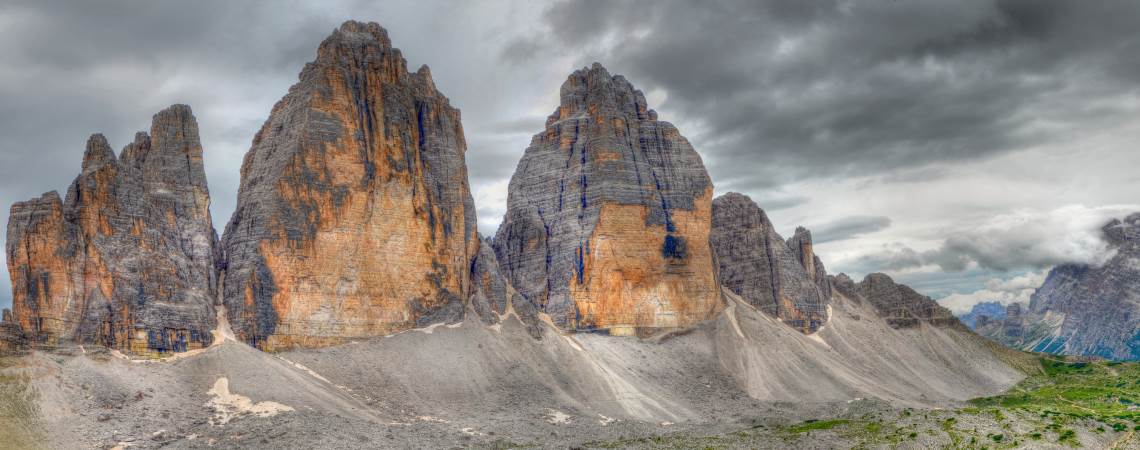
[
  {"x": 849, "y": 227},
  {"x": 785, "y": 90}
]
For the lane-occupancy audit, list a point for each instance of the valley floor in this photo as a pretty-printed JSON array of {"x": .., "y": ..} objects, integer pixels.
[
  {"x": 740, "y": 381},
  {"x": 1068, "y": 405}
]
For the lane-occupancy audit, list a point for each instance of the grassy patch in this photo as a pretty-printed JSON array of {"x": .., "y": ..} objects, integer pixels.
[{"x": 1104, "y": 392}]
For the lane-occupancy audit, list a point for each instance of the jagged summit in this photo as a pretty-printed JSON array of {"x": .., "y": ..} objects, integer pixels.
[
  {"x": 98, "y": 153},
  {"x": 607, "y": 215},
  {"x": 359, "y": 33},
  {"x": 593, "y": 91}
]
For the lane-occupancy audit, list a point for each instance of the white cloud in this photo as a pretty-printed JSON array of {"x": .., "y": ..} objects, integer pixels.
[
  {"x": 1018, "y": 289},
  {"x": 490, "y": 204},
  {"x": 1032, "y": 238}
]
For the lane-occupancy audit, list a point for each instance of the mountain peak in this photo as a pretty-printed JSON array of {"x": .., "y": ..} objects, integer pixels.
[
  {"x": 98, "y": 153},
  {"x": 361, "y": 32},
  {"x": 593, "y": 91}
]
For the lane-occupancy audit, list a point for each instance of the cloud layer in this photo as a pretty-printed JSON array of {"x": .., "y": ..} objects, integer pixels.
[
  {"x": 786, "y": 90},
  {"x": 1024, "y": 239}
]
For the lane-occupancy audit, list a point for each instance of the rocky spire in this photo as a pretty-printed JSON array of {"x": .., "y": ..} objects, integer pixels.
[
  {"x": 98, "y": 154},
  {"x": 777, "y": 277},
  {"x": 608, "y": 215},
  {"x": 354, "y": 216},
  {"x": 127, "y": 259},
  {"x": 801, "y": 245}
]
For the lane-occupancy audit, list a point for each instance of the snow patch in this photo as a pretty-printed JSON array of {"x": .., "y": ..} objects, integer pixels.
[
  {"x": 557, "y": 417},
  {"x": 228, "y": 406}
]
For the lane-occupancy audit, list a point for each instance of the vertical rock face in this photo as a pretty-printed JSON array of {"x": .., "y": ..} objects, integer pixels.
[
  {"x": 900, "y": 305},
  {"x": 354, "y": 216},
  {"x": 607, "y": 223},
  {"x": 801, "y": 246},
  {"x": 1084, "y": 309},
  {"x": 127, "y": 259},
  {"x": 784, "y": 279}
]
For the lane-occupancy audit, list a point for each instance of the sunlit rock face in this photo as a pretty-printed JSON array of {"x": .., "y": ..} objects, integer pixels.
[
  {"x": 354, "y": 215},
  {"x": 608, "y": 215},
  {"x": 781, "y": 278},
  {"x": 127, "y": 258}
]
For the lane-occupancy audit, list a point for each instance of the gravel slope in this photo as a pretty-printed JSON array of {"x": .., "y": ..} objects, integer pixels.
[{"x": 470, "y": 384}]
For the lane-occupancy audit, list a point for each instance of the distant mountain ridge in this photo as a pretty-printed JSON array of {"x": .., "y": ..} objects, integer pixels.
[
  {"x": 1082, "y": 309},
  {"x": 990, "y": 310}
]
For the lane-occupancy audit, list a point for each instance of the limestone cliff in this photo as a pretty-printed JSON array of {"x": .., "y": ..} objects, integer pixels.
[
  {"x": 127, "y": 259},
  {"x": 782, "y": 278},
  {"x": 608, "y": 215},
  {"x": 354, "y": 216}
]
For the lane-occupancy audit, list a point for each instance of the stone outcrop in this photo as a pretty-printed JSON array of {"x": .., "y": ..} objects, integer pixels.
[
  {"x": 127, "y": 259},
  {"x": 1080, "y": 309},
  {"x": 354, "y": 216},
  {"x": 493, "y": 299},
  {"x": 781, "y": 278},
  {"x": 11, "y": 338},
  {"x": 896, "y": 303},
  {"x": 801, "y": 245},
  {"x": 608, "y": 214}
]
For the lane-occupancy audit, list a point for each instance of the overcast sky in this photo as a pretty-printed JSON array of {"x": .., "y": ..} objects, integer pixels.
[{"x": 961, "y": 146}]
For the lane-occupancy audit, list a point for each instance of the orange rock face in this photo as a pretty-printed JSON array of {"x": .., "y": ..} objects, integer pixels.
[
  {"x": 608, "y": 217},
  {"x": 354, "y": 217},
  {"x": 127, "y": 260},
  {"x": 42, "y": 283}
]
